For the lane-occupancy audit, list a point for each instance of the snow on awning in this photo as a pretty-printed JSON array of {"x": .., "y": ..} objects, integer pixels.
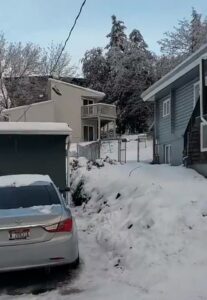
[{"x": 35, "y": 128}]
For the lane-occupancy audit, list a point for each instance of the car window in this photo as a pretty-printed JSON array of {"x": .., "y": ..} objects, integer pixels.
[{"x": 27, "y": 196}]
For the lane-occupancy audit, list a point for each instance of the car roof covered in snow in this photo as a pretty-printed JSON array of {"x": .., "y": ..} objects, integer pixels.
[
  {"x": 36, "y": 128},
  {"x": 23, "y": 180}
]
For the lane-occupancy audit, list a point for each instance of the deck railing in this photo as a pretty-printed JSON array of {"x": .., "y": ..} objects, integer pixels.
[{"x": 98, "y": 110}]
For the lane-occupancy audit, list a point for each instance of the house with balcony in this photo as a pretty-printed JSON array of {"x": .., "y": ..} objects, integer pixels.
[
  {"x": 52, "y": 100},
  {"x": 180, "y": 113}
]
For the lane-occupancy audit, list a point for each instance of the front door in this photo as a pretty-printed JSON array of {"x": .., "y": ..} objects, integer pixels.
[{"x": 88, "y": 133}]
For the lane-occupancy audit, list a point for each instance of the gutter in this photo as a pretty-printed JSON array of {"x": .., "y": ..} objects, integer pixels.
[{"x": 202, "y": 84}]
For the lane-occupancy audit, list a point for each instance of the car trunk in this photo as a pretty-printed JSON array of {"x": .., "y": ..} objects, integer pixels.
[{"x": 26, "y": 225}]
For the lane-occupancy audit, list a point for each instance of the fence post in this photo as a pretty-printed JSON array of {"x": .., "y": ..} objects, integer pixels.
[
  {"x": 77, "y": 150},
  {"x": 119, "y": 150},
  {"x": 137, "y": 149}
]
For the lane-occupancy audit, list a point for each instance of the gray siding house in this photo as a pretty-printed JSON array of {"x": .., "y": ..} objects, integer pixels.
[{"x": 180, "y": 111}]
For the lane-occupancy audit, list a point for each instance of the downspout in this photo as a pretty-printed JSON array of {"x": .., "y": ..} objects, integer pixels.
[
  {"x": 202, "y": 85},
  {"x": 68, "y": 196}
]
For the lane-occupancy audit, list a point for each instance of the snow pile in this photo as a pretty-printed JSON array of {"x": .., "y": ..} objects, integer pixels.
[
  {"x": 151, "y": 223},
  {"x": 22, "y": 180}
]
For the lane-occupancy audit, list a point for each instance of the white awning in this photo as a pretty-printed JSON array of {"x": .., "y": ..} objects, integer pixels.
[{"x": 35, "y": 128}]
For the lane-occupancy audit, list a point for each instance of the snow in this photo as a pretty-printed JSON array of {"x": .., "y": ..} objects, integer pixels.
[
  {"x": 149, "y": 243},
  {"x": 23, "y": 179},
  {"x": 142, "y": 235},
  {"x": 42, "y": 209},
  {"x": 34, "y": 128}
]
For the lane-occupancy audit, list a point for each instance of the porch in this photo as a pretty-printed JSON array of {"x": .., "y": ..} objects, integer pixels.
[{"x": 98, "y": 121}]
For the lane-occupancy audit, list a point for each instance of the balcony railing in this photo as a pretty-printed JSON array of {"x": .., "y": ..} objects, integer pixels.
[{"x": 98, "y": 110}]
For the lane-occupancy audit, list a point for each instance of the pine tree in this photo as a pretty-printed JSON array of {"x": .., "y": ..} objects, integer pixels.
[
  {"x": 123, "y": 72},
  {"x": 117, "y": 36}
]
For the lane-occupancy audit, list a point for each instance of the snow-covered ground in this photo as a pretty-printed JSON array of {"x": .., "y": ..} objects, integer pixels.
[
  {"x": 142, "y": 234},
  {"x": 150, "y": 242}
]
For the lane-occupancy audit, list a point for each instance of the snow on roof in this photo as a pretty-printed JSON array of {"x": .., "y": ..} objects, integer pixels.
[
  {"x": 5, "y": 111},
  {"x": 96, "y": 93},
  {"x": 34, "y": 128},
  {"x": 23, "y": 179}
]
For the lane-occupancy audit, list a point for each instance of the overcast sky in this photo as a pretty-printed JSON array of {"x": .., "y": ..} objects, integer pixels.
[{"x": 42, "y": 21}]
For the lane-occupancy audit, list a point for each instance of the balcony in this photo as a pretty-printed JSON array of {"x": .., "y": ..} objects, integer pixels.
[{"x": 98, "y": 110}]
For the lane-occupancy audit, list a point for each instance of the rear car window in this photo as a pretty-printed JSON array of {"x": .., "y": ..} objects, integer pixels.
[{"x": 27, "y": 196}]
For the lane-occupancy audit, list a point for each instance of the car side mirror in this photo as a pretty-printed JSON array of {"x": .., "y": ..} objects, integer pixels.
[{"x": 66, "y": 189}]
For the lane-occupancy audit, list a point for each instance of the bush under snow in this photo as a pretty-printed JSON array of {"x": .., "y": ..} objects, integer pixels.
[{"x": 151, "y": 221}]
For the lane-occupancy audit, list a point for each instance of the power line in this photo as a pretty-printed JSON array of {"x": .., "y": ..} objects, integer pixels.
[
  {"x": 61, "y": 52},
  {"x": 69, "y": 35}
]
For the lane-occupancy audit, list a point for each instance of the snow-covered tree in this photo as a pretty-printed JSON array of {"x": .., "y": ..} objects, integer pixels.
[
  {"x": 49, "y": 58},
  {"x": 18, "y": 60},
  {"x": 186, "y": 38},
  {"x": 117, "y": 36},
  {"x": 96, "y": 69},
  {"x": 123, "y": 71}
]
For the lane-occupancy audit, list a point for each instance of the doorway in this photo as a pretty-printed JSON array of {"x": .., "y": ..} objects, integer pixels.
[
  {"x": 167, "y": 153},
  {"x": 88, "y": 133}
]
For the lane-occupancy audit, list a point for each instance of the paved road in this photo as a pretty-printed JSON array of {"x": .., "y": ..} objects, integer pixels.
[{"x": 38, "y": 281}]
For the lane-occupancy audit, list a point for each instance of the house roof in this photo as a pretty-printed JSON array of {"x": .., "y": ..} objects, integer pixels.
[
  {"x": 34, "y": 128},
  {"x": 96, "y": 93},
  {"x": 35, "y": 89},
  {"x": 183, "y": 68},
  {"x": 8, "y": 110}
]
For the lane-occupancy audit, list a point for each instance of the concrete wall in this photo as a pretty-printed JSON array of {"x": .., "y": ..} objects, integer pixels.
[{"x": 38, "y": 112}]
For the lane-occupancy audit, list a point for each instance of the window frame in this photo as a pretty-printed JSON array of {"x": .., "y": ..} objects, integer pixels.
[
  {"x": 88, "y": 101},
  {"x": 165, "y": 104}
]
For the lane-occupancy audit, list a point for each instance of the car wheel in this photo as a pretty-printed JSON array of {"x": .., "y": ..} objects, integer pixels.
[{"x": 75, "y": 264}]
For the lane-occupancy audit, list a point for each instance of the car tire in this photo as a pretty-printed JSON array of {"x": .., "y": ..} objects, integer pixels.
[{"x": 75, "y": 264}]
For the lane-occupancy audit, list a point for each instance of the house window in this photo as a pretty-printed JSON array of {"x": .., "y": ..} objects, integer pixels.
[
  {"x": 166, "y": 108},
  {"x": 196, "y": 93},
  {"x": 87, "y": 102},
  {"x": 88, "y": 133},
  {"x": 167, "y": 153}
]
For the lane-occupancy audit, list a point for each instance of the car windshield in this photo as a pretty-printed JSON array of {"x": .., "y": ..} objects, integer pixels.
[{"x": 27, "y": 196}]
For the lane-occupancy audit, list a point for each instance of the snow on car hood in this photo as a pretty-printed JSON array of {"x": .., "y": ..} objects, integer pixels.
[{"x": 22, "y": 180}]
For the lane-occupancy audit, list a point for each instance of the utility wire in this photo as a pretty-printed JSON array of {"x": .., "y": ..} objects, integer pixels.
[
  {"x": 61, "y": 52},
  {"x": 68, "y": 37}
]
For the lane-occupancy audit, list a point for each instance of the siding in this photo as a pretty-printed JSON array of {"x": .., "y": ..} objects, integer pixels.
[
  {"x": 164, "y": 123},
  {"x": 170, "y": 129},
  {"x": 183, "y": 107}
]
